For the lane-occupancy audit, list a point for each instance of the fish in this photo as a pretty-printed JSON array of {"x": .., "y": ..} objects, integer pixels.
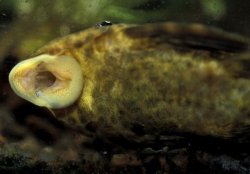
[{"x": 133, "y": 80}]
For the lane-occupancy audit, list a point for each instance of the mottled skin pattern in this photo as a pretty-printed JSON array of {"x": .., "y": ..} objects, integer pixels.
[{"x": 165, "y": 77}]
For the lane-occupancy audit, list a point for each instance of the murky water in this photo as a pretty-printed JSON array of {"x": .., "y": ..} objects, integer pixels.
[{"x": 33, "y": 139}]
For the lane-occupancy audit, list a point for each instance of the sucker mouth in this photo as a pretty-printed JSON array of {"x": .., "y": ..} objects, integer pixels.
[{"x": 48, "y": 80}]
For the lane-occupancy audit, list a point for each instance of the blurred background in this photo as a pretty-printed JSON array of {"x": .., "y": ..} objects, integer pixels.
[
  {"x": 25, "y": 25},
  {"x": 29, "y": 134}
]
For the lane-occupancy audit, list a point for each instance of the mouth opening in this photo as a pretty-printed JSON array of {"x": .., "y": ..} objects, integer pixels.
[{"x": 44, "y": 79}]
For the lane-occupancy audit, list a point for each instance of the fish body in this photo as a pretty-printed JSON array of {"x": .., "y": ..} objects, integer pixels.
[{"x": 166, "y": 77}]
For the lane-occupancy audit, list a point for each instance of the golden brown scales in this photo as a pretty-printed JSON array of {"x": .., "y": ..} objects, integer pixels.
[{"x": 167, "y": 77}]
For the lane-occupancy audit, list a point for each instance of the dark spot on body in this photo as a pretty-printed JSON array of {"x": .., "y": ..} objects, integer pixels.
[
  {"x": 54, "y": 51},
  {"x": 88, "y": 52},
  {"x": 117, "y": 50},
  {"x": 78, "y": 44}
]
